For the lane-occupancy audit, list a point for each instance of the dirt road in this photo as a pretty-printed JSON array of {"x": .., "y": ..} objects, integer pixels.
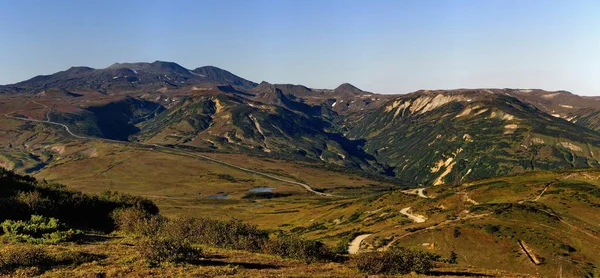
[
  {"x": 354, "y": 246},
  {"x": 416, "y": 218},
  {"x": 175, "y": 150}
]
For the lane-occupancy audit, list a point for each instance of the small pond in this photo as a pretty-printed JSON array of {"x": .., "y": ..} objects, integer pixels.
[
  {"x": 220, "y": 197},
  {"x": 262, "y": 189}
]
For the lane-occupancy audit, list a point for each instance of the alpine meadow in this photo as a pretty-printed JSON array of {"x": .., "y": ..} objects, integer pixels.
[{"x": 159, "y": 169}]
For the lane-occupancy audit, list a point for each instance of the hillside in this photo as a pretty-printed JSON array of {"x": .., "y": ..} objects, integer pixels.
[
  {"x": 452, "y": 136},
  {"x": 552, "y": 213},
  {"x": 128, "y": 237},
  {"x": 222, "y": 121},
  {"x": 425, "y": 137},
  {"x": 562, "y": 104}
]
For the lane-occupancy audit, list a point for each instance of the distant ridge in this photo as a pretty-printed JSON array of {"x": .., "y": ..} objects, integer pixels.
[{"x": 128, "y": 76}]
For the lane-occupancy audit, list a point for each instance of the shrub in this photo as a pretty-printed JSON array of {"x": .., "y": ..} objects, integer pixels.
[
  {"x": 137, "y": 221},
  {"x": 34, "y": 201},
  {"x": 453, "y": 259},
  {"x": 292, "y": 247},
  {"x": 354, "y": 217},
  {"x": 30, "y": 256},
  {"x": 224, "y": 234},
  {"x": 38, "y": 230},
  {"x": 156, "y": 250},
  {"x": 170, "y": 240},
  {"x": 456, "y": 233},
  {"x": 22, "y": 196},
  {"x": 395, "y": 261},
  {"x": 23, "y": 256},
  {"x": 129, "y": 201}
]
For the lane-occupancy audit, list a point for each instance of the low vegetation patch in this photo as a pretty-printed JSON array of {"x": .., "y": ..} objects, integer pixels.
[
  {"x": 156, "y": 250},
  {"x": 395, "y": 261},
  {"x": 38, "y": 230},
  {"x": 296, "y": 248},
  {"x": 162, "y": 239},
  {"x": 23, "y": 196},
  {"x": 37, "y": 260}
]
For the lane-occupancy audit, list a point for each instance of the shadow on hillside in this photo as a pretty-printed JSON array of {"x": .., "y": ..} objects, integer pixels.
[
  {"x": 240, "y": 264},
  {"x": 457, "y": 273},
  {"x": 92, "y": 238}
]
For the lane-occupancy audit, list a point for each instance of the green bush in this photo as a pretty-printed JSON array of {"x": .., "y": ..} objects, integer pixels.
[
  {"x": 37, "y": 230},
  {"x": 156, "y": 250},
  {"x": 456, "y": 233},
  {"x": 34, "y": 201},
  {"x": 224, "y": 234},
  {"x": 164, "y": 239},
  {"x": 23, "y": 196},
  {"x": 292, "y": 247},
  {"x": 137, "y": 221},
  {"x": 453, "y": 259},
  {"x": 354, "y": 217},
  {"x": 395, "y": 261},
  {"x": 159, "y": 239}
]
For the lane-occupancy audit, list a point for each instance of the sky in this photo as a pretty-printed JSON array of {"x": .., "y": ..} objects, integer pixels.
[{"x": 394, "y": 46}]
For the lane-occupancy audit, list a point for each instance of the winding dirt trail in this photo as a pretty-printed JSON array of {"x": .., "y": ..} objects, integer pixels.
[
  {"x": 354, "y": 246},
  {"x": 417, "y": 191},
  {"x": 543, "y": 191},
  {"x": 172, "y": 150},
  {"x": 415, "y": 218}
]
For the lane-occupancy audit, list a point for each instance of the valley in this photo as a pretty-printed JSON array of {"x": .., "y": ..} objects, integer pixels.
[{"x": 474, "y": 175}]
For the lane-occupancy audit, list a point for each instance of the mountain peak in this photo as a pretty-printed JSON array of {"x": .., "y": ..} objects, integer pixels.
[
  {"x": 348, "y": 88},
  {"x": 218, "y": 75},
  {"x": 79, "y": 69},
  {"x": 161, "y": 67}
]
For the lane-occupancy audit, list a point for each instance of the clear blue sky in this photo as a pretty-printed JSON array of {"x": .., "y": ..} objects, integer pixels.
[{"x": 390, "y": 46}]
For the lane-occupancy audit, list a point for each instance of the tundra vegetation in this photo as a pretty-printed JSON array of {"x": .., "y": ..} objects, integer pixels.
[{"x": 44, "y": 217}]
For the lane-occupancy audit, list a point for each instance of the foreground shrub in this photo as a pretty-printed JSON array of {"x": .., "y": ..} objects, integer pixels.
[
  {"x": 395, "y": 261},
  {"x": 136, "y": 221},
  {"x": 129, "y": 201},
  {"x": 23, "y": 256},
  {"x": 170, "y": 239},
  {"x": 38, "y": 230},
  {"x": 22, "y": 196},
  {"x": 35, "y": 257},
  {"x": 224, "y": 234},
  {"x": 292, "y": 247},
  {"x": 156, "y": 250}
]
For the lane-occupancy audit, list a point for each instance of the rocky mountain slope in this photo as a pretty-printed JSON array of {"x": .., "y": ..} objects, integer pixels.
[
  {"x": 562, "y": 104},
  {"x": 450, "y": 136},
  {"x": 426, "y": 137}
]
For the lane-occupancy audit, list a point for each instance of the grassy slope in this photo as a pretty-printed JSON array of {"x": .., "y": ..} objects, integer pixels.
[
  {"x": 331, "y": 219},
  {"x": 471, "y": 136},
  {"x": 573, "y": 198},
  {"x": 118, "y": 258}
]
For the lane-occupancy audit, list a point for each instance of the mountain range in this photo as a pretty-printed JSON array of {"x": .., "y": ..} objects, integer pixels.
[{"x": 428, "y": 137}]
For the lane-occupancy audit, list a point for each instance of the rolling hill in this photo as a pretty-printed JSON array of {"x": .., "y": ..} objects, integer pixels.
[
  {"x": 425, "y": 137},
  {"x": 509, "y": 178}
]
